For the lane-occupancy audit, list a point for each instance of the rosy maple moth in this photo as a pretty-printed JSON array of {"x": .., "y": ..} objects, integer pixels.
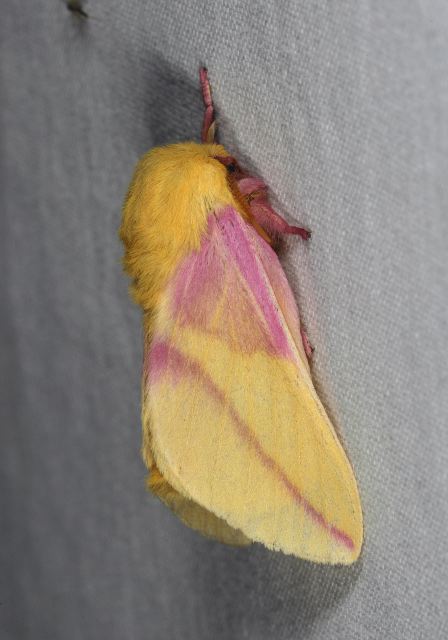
[{"x": 236, "y": 440}]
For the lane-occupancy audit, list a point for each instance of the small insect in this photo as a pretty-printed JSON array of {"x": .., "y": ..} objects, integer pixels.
[
  {"x": 75, "y": 6},
  {"x": 236, "y": 440}
]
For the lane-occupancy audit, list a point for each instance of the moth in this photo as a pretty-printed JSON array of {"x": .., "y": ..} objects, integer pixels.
[{"x": 235, "y": 438}]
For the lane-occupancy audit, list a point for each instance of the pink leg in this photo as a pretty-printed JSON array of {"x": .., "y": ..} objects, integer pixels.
[
  {"x": 305, "y": 234},
  {"x": 265, "y": 215},
  {"x": 309, "y": 349},
  {"x": 208, "y": 126}
]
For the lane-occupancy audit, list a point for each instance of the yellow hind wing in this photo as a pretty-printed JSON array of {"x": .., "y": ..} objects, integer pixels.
[{"x": 192, "y": 514}]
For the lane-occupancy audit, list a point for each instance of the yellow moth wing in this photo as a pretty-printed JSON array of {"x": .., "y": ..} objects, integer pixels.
[
  {"x": 236, "y": 425},
  {"x": 193, "y": 514}
]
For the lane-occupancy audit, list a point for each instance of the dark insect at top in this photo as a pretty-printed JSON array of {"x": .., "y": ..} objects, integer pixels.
[{"x": 75, "y": 6}]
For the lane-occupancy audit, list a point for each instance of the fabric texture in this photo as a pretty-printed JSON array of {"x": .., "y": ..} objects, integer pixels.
[{"x": 342, "y": 108}]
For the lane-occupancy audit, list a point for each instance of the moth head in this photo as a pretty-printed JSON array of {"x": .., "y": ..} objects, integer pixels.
[{"x": 231, "y": 165}]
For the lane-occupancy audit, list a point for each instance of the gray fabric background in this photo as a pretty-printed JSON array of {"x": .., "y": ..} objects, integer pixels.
[{"x": 343, "y": 108}]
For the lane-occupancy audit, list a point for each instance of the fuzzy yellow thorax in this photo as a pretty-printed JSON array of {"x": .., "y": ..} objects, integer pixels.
[{"x": 172, "y": 193}]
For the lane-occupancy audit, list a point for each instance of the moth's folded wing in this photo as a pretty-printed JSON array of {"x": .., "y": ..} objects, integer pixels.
[
  {"x": 192, "y": 514},
  {"x": 235, "y": 422}
]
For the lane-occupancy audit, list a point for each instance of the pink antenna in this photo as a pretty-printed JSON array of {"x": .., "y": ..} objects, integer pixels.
[{"x": 209, "y": 124}]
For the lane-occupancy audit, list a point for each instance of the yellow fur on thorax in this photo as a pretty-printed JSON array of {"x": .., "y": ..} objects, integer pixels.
[{"x": 173, "y": 190}]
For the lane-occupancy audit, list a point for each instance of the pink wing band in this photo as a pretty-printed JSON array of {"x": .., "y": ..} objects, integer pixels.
[
  {"x": 203, "y": 285},
  {"x": 241, "y": 251}
]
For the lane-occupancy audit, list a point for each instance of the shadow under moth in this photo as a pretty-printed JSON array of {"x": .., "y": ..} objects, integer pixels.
[{"x": 236, "y": 440}]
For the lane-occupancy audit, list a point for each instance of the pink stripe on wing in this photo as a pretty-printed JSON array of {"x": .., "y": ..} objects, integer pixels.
[
  {"x": 236, "y": 239},
  {"x": 223, "y": 290}
]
